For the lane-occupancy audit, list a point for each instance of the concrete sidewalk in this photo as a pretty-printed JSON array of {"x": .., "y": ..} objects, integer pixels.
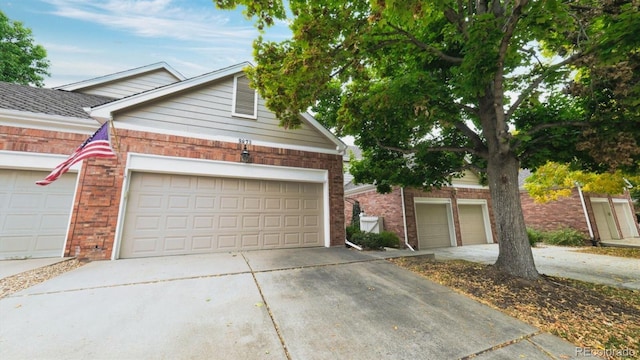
[
  {"x": 278, "y": 304},
  {"x": 560, "y": 261}
]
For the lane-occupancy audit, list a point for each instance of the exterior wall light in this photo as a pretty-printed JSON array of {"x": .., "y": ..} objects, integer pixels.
[{"x": 245, "y": 157}]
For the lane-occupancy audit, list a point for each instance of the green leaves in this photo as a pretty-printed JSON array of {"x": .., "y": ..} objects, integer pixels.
[{"x": 21, "y": 61}]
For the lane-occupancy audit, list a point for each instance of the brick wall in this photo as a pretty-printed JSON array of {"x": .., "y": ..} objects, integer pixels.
[
  {"x": 568, "y": 212},
  {"x": 389, "y": 206},
  {"x": 553, "y": 215},
  {"x": 95, "y": 211}
]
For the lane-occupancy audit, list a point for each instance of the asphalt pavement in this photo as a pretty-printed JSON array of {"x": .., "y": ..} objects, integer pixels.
[{"x": 315, "y": 303}]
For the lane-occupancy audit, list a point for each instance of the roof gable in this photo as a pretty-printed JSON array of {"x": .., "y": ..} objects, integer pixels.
[
  {"x": 197, "y": 107},
  {"x": 129, "y": 82}
]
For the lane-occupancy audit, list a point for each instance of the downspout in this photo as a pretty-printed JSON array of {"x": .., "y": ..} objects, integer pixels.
[
  {"x": 586, "y": 214},
  {"x": 404, "y": 221}
]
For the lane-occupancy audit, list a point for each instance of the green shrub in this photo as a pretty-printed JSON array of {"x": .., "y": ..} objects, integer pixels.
[
  {"x": 373, "y": 241},
  {"x": 389, "y": 239},
  {"x": 565, "y": 237},
  {"x": 351, "y": 230},
  {"x": 367, "y": 240},
  {"x": 535, "y": 236}
]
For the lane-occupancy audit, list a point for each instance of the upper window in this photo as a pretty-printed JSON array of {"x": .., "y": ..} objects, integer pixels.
[{"x": 245, "y": 99}]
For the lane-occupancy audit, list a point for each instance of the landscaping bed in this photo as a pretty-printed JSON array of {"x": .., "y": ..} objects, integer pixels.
[{"x": 587, "y": 315}]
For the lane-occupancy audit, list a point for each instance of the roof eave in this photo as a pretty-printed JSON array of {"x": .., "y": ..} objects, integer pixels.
[
  {"x": 121, "y": 75},
  {"x": 25, "y": 119}
]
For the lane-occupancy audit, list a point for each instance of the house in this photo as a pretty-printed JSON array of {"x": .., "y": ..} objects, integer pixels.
[
  {"x": 202, "y": 167},
  {"x": 457, "y": 215},
  {"x": 601, "y": 217}
]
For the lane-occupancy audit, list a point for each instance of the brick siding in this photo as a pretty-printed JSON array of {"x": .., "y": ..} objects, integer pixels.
[
  {"x": 95, "y": 211},
  {"x": 389, "y": 206}
]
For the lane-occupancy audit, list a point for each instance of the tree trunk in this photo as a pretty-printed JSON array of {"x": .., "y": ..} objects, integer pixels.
[{"x": 515, "y": 256}]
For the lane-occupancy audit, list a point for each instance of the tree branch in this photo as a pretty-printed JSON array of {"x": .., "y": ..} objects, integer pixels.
[
  {"x": 480, "y": 148},
  {"x": 427, "y": 47},
  {"x": 537, "y": 81}
]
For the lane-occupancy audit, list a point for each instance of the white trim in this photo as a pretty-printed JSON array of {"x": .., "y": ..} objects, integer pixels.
[
  {"x": 125, "y": 126},
  {"x": 340, "y": 145},
  {"x": 360, "y": 190},
  {"x": 105, "y": 112},
  {"x": 28, "y": 161},
  {"x": 21, "y": 160},
  {"x": 468, "y": 186},
  {"x": 485, "y": 215},
  {"x": 121, "y": 75},
  {"x": 234, "y": 97},
  {"x": 598, "y": 200},
  {"x": 187, "y": 166},
  {"x": 25, "y": 119},
  {"x": 446, "y": 201}
]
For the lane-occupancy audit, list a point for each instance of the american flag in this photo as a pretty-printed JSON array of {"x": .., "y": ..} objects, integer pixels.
[{"x": 97, "y": 145}]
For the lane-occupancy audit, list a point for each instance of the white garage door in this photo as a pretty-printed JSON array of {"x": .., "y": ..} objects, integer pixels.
[
  {"x": 625, "y": 219},
  {"x": 472, "y": 229},
  {"x": 604, "y": 221},
  {"x": 33, "y": 219},
  {"x": 433, "y": 226},
  {"x": 178, "y": 214}
]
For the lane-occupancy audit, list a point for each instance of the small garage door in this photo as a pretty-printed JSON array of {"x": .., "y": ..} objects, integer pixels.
[
  {"x": 604, "y": 221},
  {"x": 177, "y": 214},
  {"x": 472, "y": 229},
  {"x": 33, "y": 219},
  {"x": 625, "y": 219},
  {"x": 433, "y": 226}
]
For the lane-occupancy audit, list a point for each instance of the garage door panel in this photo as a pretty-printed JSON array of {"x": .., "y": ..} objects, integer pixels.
[
  {"x": 252, "y": 203},
  {"x": 250, "y": 241},
  {"x": 15, "y": 244},
  {"x": 202, "y": 242},
  {"x": 34, "y": 219},
  {"x": 219, "y": 214}
]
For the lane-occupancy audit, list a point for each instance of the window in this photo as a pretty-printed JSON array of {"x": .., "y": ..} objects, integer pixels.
[{"x": 245, "y": 99}]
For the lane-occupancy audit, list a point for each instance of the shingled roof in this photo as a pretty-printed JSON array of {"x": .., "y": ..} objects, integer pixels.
[{"x": 47, "y": 101}]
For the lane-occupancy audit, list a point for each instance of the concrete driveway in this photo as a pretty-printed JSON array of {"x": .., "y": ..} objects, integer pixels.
[
  {"x": 560, "y": 261},
  {"x": 278, "y": 304}
]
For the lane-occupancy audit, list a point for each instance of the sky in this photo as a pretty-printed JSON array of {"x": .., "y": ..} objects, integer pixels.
[{"x": 85, "y": 39}]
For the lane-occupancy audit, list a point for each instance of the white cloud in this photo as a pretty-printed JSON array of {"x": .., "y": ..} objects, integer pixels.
[{"x": 157, "y": 18}]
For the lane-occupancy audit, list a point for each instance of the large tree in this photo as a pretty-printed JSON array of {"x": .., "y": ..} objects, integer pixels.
[
  {"x": 21, "y": 60},
  {"x": 431, "y": 88}
]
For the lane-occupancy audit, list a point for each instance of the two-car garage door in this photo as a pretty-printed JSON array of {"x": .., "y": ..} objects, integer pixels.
[{"x": 179, "y": 214}]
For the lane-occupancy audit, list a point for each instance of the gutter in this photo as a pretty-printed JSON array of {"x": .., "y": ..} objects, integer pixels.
[
  {"x": 586, "y": 214},
  {"x": 404, "y": 221}
]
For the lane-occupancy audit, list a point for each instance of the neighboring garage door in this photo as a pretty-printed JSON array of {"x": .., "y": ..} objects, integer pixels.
[
  {"x": 472, "y": 229},
  {"x": 433, "y": 226},
  {"x": 604, "y": 220},
  {"x": 625, "y": 219},
  {"x": 178, "y": 214},
  {"x": 34, "y": 219}
]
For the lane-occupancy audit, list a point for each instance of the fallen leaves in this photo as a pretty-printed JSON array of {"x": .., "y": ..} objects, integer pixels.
[{"x": 587, "y": 315}]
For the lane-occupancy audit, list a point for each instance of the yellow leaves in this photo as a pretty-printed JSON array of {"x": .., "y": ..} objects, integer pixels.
[{"x": 553, "y": 181}]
